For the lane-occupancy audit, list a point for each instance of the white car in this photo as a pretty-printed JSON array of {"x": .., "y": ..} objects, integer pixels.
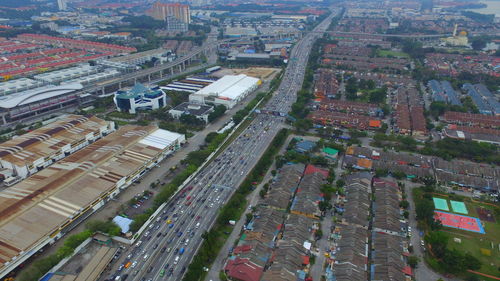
[{"x": 134, "y": 264}]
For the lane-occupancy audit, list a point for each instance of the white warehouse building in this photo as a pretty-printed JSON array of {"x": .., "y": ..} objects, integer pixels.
[{"x": 228, "y": 90}]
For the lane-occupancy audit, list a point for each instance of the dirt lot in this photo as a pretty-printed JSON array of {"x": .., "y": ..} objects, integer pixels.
[{"x": 264, "y": 73}]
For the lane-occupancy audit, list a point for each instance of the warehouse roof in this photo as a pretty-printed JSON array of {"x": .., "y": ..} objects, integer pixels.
[
  {"x": 37, "y": 94},
  {"x": 43, "y": 142},
  {"x": 229, "y": 86},
  {"x": 43, "y": 204},
  {"x": 67, "y": 73},
  {"x": 13, "y": 86}
]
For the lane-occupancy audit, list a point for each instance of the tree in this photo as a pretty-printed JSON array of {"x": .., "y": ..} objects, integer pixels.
[
  {"x": 398, "y": 174},
  {"x": 340, "y": 183},
  {"x": 249, "y": 217},
  {"x": 190, "y": 119},
  {"x": 406, "y": 214},
  {"x": 471, "y": 262},
  {"x": 324, "y": 205},
  {"x": 381, "y": 172},
  {"x": 424, "y": 209},
  {"x": 318, "y": 234},
  {"x": 370, "y": 84},
  {"x": 479, "y": 42},
  {"x": 404, "y": 204},
  {"x": 413, "y": 261},
  {"x": 351, "y": 88},
  {"x": 438, "y": 241},
  {"x": 219, "y": 110},
  {"x": 303, "y": 125},
  {"x": 378, "y": 96},
  {"x": 108, "y": 227}
]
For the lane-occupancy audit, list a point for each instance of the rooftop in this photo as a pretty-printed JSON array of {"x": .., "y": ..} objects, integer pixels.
[
  {"x": 193, "y": 108},
  {"x": 229, "y": 86},
  {"x": 45, "y": 141},
  {"x": 43, "y": 204},
  {"x": 37, "y": 94}
]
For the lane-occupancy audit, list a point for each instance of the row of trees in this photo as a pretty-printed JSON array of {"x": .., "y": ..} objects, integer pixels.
[
  {"x": 449, "y": 148},
  {"x": 242, "y": 113},
  {"x": 41, "y": 266}
]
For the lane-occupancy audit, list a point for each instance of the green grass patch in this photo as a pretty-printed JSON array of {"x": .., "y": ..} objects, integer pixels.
[
  {"x": 122, "y": 115},
  {"x": 472, "y": 242},
  {"x": 389, "y": 53}
]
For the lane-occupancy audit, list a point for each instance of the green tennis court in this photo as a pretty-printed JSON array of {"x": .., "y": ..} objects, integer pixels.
[
  {"x": 458, "y": 207},
  {"x": 440, "y": 203}
]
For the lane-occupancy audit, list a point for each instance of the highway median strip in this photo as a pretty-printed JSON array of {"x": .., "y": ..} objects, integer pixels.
[{"x": 217, "y": 236}]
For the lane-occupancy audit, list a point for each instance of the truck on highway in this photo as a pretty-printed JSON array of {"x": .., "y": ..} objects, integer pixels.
[{"x": 181, "y": 251}]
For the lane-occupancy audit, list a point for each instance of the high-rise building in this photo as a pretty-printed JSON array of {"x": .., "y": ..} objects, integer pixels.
[
  {"x": 163, "y": 11},
  {"x": 61, "y": 4}
]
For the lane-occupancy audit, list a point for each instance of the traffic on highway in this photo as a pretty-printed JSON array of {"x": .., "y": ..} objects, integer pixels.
[{"x": 167, "y": 246}]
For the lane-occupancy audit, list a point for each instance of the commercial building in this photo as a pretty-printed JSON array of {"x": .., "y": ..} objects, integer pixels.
[
  {"x": 104, "y": 74},
  {"x": 140, "y": 98},
  {"x": 39, "y": 101},
  {"x": 201, "y": 111},
  {"x": 177, "y": 16},
  {"x": 228, "y": 91},
  {"x": 18, "y": 85},
  {"x": 43, "y": 207},
  {"x": 142, "y": 57},
  {"x": 240, "y": 31},
  {"x": 58, "y": 76},
  {"x": 62, "y": 5},
  {"x": 27, "y": 154},
  {"x": 190, "y": 84}
]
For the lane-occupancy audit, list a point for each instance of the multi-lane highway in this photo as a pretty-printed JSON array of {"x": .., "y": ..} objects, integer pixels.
[{"x": 165, "y": 250}]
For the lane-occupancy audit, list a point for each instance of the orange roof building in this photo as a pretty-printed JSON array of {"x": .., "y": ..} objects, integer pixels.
[
  {"x": 365, "y": 163},
  {"x": 375, "y": 124}
]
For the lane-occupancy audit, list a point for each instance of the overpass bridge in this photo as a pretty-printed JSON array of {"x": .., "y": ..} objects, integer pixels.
[{"x": 150, "y": 74}]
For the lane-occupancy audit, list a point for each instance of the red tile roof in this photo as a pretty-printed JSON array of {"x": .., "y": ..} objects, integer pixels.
[
  {"x": 407, "y": 270},
  {"x": 243, "y": 269},
  {"x": 310, "y": 169},
  {"x": 242, "y": 249}
]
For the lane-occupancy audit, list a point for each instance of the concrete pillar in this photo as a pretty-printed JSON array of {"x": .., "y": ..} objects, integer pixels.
[{"x": 171, "y": 71}]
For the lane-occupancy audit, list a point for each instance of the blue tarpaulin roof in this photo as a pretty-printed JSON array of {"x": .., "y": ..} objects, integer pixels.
[{"x": 123, "y": 223}]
